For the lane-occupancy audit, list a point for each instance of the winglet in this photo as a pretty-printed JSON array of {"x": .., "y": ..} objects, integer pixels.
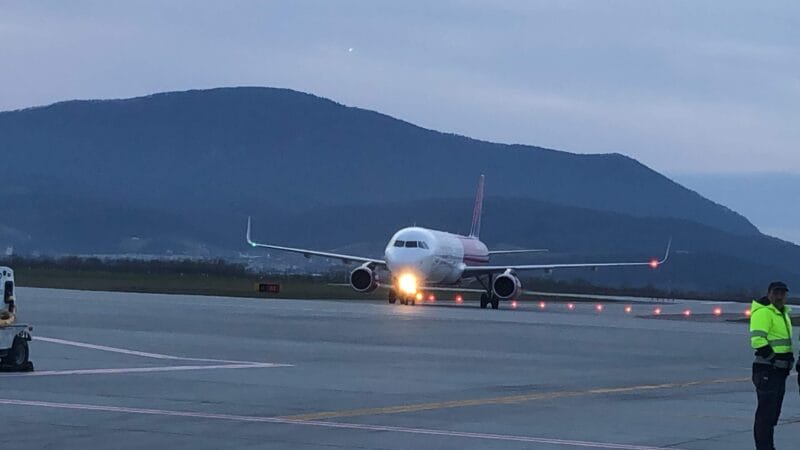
[
  {"x": 666, "y": 254},
  {"x": 249, "y": 241}
]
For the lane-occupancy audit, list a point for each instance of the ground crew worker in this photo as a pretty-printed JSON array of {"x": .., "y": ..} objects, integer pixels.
[{"x": 771, "y": 338}]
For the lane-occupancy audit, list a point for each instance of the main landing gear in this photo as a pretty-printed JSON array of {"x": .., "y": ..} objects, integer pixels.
[
  {"x": 488, "y": 298},
  {"x": 408, "y": 301}
]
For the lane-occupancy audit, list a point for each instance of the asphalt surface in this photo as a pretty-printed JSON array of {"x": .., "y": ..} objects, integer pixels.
[{"x": 116, "y": 370}]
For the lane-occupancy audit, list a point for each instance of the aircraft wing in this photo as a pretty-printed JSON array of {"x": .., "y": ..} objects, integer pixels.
[
  {"x": 482, "y": 270},
  {"x": 309, "y": 253},
  {"x": 513, "y": 252}
]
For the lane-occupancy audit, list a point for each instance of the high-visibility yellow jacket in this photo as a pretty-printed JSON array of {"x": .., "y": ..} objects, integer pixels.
[{"x": 770, "y": 331}]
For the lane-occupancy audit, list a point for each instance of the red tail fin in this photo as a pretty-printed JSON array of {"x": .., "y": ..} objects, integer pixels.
[{"x": 475, "y": 231}]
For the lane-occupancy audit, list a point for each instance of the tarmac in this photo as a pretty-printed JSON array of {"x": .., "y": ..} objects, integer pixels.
[{"x": 121, "y": 370}]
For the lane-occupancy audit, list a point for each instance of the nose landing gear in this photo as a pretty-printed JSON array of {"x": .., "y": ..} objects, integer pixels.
[
  {"x": 404, "y": 300},
  {"x": 408, "y": 301}
]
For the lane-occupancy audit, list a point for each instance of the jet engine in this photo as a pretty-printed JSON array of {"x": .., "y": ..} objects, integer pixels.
[
  {"x": 507, "y": 286},
  {"x": 363, "y": 279}
]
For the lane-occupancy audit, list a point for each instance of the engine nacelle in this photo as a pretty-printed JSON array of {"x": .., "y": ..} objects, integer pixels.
[
  {"x": 507, "y": 286},
  {"x": 363, "y": 279}
]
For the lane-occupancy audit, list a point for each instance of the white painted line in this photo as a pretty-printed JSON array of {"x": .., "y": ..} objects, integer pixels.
[
  {"x": 485, "y": 436},
  {"x": 136, "y": 352},
  {"x": 122, "y": 370},
  {"x": 338, "y": 425}
]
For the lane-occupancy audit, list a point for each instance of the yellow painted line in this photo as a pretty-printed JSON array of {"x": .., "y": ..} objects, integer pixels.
[{"x": 417, "y": 407}]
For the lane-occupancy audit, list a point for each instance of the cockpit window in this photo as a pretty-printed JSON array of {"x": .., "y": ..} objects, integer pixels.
[{"x": 411, "y": 244}]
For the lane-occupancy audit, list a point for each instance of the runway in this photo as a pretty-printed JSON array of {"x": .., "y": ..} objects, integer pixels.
[{"x": 118, "y": 370}]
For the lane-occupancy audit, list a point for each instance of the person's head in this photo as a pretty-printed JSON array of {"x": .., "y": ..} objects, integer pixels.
[{"x": 777, "y": 293}]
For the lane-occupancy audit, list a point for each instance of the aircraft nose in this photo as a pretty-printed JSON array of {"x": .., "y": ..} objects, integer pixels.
[{"x": 415, "y": 262}]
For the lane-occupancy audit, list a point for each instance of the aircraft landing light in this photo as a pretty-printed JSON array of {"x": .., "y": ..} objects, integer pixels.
[{"x": 407, "y": 283}]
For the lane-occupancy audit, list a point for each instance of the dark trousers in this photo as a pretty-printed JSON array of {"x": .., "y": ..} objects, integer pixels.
[{"x": 770, "y": 387}]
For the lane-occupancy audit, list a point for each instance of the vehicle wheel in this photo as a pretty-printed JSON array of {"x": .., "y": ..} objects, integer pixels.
[
  {"x": 403, "y": 301},
  {"x": 18, "y": 354},
  {"x": 413, "y": 302},
  {"x": 484, "y": 301},
  {"x": 495, "y": 303},
  {"x": 392, "y": 297}
]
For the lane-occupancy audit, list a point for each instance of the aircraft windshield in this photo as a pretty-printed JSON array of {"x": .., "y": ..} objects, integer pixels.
[{"x": 411, "y": 244}]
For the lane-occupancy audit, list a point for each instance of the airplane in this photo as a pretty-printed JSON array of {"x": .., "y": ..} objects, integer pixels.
[{"x": 420, "y": 259}]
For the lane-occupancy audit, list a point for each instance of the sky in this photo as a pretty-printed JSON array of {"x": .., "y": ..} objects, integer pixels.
[{"x": 687, "y": 87}]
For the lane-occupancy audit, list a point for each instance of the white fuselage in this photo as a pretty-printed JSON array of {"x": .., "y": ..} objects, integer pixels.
[{"x": 434, "y": 257}]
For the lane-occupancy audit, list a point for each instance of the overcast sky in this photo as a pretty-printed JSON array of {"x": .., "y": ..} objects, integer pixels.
[{"x": 683, "y": 86}]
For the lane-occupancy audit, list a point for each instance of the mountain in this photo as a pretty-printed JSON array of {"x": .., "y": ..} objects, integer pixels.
[
  {"x": 179, "y": 172},
  {"x": 236, "y": 147}
]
